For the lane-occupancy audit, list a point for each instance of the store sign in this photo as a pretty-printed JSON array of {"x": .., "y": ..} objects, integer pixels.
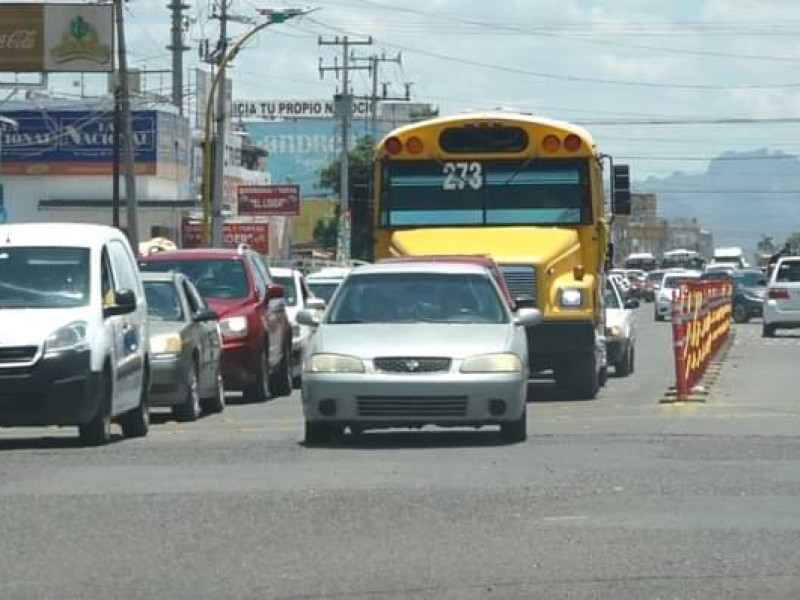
[
  {"x": 295, "y": 109},
  {"x": 269, "y": 200},
  {"x": 53, "y": 38},
  {"x": 255, "y": 235},
  {"x": 74, "y": 143}
]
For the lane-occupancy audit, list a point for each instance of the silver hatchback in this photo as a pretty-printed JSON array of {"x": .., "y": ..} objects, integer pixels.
[{"x": 414, "y": 344}]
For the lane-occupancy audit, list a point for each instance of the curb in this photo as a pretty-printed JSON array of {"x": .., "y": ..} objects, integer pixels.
[{"x": 701, "y": 391}]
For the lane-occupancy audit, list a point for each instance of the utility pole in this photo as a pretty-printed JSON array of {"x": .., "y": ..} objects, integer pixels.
[
  {"x": 374, "y": 63},
  {"x": 345, "y": 107},
  {"x": 177, "y": 48},
  {"x": 127, "y": 132},
  {"x": 117, "y": 138},
  {"x": 218, "y": 179}
]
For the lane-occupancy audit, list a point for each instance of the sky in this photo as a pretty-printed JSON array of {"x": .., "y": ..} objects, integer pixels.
[{"x": 621, "y": 67}]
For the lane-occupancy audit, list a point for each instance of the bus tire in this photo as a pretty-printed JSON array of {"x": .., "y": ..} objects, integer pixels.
[{"x": 584, "y": 382}]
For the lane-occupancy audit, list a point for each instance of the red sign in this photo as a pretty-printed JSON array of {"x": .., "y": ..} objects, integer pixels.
[
  {"x": 269, "y": 200},
  {"x": 255, "y": 235}
]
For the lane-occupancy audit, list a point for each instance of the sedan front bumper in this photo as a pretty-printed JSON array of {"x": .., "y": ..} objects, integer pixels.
[
  {"x": 381, "y": 400},
  {"x": 169, "y": 380}
]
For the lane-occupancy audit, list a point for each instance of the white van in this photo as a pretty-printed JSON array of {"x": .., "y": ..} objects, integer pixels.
[{"x": 73, "y": 330}]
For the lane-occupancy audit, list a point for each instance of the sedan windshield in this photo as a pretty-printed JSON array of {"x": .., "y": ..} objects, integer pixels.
[
  {"x": 44, "y": 277},
  {"x": 163, "y": 303},
  {"x": 417, "y": 297},
  {"x": 214, "y": 278}
]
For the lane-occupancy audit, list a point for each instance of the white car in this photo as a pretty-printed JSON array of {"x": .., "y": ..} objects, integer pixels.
[
  {"x": 325, "y": 282},
  {"x": 620, "y": 330},
  {"x": 74, "y": 337},
  {"x": 298, "y": 296},
  {"x": 669, "y": 286},
  {"x": 782, "y": 306}
]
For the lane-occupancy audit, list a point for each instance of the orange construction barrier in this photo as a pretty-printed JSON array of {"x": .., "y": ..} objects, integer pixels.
[{"x": 701, "y": 321}]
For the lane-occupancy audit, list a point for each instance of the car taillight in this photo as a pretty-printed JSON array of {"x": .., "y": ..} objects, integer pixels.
[{"x": 778, "y": 294}]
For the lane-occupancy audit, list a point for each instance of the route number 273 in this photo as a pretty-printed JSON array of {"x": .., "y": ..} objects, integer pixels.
[{"x": 462, "y": 175}]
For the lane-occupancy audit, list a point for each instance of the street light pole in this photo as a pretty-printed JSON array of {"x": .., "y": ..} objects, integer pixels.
[{"x": 273, "y": 17}]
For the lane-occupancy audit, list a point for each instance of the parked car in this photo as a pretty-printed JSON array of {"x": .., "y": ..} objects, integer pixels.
[
  {"x": 73, "y": 331},
  {"x": 498, "y": 273},
  {"x": 298, "y": 296},
  {"x": 256, "y": 333},
  {"x": 414, "y": 344},
  {"x": 669, "y": 286},
  {"x": 782, "y": 307},
  {"x": 620, "y": 330},
  {"x": 622, "y": 282},
  {"x": 185, "y": 346},
  {"x": 325, "y": 282},
  {"x": 749, "y": 289}
]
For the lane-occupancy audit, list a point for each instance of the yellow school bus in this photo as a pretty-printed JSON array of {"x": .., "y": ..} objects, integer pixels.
[{"x": 529, "y": 192}]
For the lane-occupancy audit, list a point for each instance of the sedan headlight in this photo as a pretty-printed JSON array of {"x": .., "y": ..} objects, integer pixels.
[
  {"x": 167, "y": 343},
  {"x": 613, "y": 331},
  {"x": 571, "y": 298},
  {"x": 492, "y": 363},
  {"x": 70, "y": 337},
  {"x": 334, "y": 363},
  {"x": 233, "y": 328}
]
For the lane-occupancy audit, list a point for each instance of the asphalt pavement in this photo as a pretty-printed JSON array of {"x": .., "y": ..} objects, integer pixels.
[{"x": 620, "y": 497}]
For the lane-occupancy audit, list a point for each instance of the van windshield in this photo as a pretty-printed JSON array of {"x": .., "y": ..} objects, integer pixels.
[{"x": 44, "y": 277}]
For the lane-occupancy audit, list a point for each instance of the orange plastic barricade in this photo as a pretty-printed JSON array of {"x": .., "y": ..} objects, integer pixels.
[{"x": 701, "y": 321}]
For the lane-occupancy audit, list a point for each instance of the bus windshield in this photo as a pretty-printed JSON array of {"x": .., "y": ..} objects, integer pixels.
[{"x": 546, "y": 192}]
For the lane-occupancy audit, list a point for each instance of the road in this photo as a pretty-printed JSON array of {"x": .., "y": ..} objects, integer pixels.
[{"x": 622, "y": 497}]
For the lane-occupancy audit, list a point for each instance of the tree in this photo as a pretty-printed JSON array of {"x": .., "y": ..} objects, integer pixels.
[
  {"x": 325, "y": 232},
  {"x": 360, "y": 171},
  {"x": 766, "y": 245},
  {"x": 794, "y": 241}
]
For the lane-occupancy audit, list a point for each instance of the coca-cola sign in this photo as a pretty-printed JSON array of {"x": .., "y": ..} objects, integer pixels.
[
  {"x": 21, "y": 37},
  {"x": 44, "y": 38}
]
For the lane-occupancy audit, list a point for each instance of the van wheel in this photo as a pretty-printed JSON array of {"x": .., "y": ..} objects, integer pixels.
[
  {"x": 189, "y": 409},
  {"x": 259, "y": 390},
  {"x": 281, "y": 380},
  {"x": 97, "y": 432},
  {"x": 216, "y": 403},
  {"x": 136, "y": 423},
  {"x": 515, "y": 431},
  {"x": 740, "y": 314}
]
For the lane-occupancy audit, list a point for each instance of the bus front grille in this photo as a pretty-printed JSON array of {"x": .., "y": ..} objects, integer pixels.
[{"x": 522, "y": 283}]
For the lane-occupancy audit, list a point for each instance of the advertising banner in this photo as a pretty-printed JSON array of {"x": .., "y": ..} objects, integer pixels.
[
  {"x": 295, "y": 109},
  {"x": 255, "y": 235},
  {"x": 269, "y": 200},
  {"x": 74, "y": 143},
  {"x": 53, "y": 38}
]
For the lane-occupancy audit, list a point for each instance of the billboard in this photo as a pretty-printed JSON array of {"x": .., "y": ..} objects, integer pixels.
[
  {"x": 74, "y": 142},
  {"x": 301, "y": 148},
  {"x": 255, "y": 235},
  {"x": 269, "y": 200},
  {"x": 56, "y": 38}
]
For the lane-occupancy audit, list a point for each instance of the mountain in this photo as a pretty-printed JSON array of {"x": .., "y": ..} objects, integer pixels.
[{"x": 742, "y": 196}]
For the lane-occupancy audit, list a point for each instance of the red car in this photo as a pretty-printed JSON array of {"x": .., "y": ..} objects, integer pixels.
[
  {"x": 468, "y": 259},
  {"x": 256, "y": 332}
]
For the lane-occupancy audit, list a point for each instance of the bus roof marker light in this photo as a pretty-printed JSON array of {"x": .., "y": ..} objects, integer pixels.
[
  {"x": 578, "y": 272},
  {"x": 394, "y": 145},
  {"x": 551, "y": 143},
  {"x": 414, "y": 145},
  {"x": 572, "y": 143}
]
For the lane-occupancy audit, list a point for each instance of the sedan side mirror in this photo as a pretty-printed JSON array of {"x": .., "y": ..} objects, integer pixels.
[
  {"x": 204, "y": 315},
  {"x": 315, "y": 304},
  {"x": 526, "y": 317},
  {"x": 124, "y": 304},
  {"x": 308, "y": 318},
  {"x": 631, "y": 303}
]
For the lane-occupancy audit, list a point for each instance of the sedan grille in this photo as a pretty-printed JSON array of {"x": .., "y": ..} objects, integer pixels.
[
  {"x": 412, "y": 365},
  {"x": 14, "y": 355},
  {"x": 412, "y": 407},
  {"x": 522, "y": 281}
]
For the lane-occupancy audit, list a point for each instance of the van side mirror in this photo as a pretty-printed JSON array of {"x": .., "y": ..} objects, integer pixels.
[
  {"x": 621, "y": 190},
  {"x": 124, "y": 304}
]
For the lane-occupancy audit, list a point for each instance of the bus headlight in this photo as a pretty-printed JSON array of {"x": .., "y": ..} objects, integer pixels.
[{"x": 571, "y": 298}]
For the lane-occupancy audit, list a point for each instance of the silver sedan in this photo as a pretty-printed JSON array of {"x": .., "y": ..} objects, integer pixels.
[{"x": 415, "y": 344}]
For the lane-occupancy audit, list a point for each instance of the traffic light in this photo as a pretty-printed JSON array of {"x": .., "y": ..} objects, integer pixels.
[{"x": 621, "y": 190}]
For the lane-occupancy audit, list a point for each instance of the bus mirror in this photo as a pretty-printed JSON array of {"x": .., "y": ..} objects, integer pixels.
[{"x": 621, "y": 187}]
